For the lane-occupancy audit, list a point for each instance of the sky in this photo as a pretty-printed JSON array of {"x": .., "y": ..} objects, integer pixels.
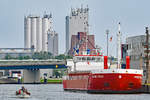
[{"x": 103, "y": 14}]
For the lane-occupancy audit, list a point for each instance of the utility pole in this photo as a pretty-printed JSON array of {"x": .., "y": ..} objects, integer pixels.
[{"x": 107, "y": 32}]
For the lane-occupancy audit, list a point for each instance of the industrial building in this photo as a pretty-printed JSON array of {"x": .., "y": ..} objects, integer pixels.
[
  {"x": 82, "y": 42},
  {"x": 15, "y": 52},
  {"x": 136, "y": 51},
  {"x": 76, "y": 22},
  {"x": 53, "y": 43},
  {"x": 36, "y": 32}
]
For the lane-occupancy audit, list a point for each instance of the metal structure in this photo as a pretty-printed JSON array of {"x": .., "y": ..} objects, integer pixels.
[
  {"x": 107, "y": 32},
  {"x": 147, "y": 56},
  {"x": 119, "y": 46}
]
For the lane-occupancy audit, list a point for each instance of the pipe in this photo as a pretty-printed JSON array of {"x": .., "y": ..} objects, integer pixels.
[
  {"x": 127, "y": 62},
  {"x": 105, "y": 62}
]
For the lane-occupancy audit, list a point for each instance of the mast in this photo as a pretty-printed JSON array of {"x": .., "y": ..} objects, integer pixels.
[
  {"x": 107, "y": 32},
  {"x": 119, "y": 46}
]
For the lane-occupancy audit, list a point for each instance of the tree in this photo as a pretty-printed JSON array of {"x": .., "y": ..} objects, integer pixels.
[
  {"x": 8, "y": 56},
  {"x": 27, "y": 57},
  {"x": 20, "y": 57},
  {"x": 42, "y": 55},
  {"x": 62, "y": 56}
]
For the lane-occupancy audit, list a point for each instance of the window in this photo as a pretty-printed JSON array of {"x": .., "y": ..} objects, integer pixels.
[
  {"x": 106, "y": 85},
  {"x": 88, "y": 58},
  {"x": 83, "y": 59},
  {"x": 131, "y": 85}
]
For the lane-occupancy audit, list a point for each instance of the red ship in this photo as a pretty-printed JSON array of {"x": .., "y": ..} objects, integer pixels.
[{"x": 93, "y": 73}]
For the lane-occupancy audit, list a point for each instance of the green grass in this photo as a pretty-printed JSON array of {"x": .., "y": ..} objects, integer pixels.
[
  {"x": 147, "y": 84},
  {"x": 51, "y": 81}
]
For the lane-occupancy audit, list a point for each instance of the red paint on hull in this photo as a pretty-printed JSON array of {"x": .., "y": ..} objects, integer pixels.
[{"x": 118, "y": 82}]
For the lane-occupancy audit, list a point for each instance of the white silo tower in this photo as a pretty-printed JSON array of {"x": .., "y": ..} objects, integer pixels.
[
  {"x": 33, "y": 32},
  {"x": 46, "y": 25},
  {"x": 27, "y": 32},
  {"x": 39, "y": 34}
]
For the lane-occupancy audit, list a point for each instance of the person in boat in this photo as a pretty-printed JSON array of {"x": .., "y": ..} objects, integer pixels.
[{"x": 22, "y": 90}]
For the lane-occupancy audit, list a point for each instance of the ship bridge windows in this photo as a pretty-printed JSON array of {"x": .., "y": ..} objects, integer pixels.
[{"x": 83, "y": 59}]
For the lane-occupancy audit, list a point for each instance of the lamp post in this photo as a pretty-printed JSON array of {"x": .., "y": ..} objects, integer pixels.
[{"x": 107, "y": 32}]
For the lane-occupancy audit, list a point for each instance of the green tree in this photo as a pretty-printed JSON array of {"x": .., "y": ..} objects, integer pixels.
[
  {"x": 20, "y": 57},
  {"x": 26, "y": 57},
  {"x": 8, "y": 56},
  {"x": 42, "y": 55},
  {"x": 62, "y": 56}
]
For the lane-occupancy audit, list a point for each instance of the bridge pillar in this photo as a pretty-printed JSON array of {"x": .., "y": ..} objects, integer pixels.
[{"x": 31, "y": 76}]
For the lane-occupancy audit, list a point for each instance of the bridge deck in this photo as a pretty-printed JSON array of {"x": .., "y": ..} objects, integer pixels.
[{"x": 32, "y": 64}]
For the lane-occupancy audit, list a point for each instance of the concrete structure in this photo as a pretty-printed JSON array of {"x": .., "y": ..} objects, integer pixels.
[
  {"x": 76, "y": 22},
  {"x": 33, "y": 31},
  {"x": 39, "y": 35},
  {"x": 31, "y": 70},
  {"x": 15, "y": 52},
  {"x": 46, "y": 26},
  {"x": 31, "y": 76},
  {"x": 79, "y": 42},
  {"x": 27, "y": 32},
  {"x": 53, "y": 42},
  {"x": 36, "y": 32},
  {"x": 136, "y": 51}
]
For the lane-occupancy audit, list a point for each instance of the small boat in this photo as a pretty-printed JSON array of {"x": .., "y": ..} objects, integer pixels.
[{"x": 23, "y": 93}]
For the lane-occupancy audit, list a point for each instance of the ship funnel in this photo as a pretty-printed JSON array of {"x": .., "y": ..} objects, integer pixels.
[
  {"x": 127, "y": 62},
  {"x": 105, "y": 62}
]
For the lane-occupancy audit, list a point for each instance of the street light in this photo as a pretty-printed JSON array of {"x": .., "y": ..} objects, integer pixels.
[{"x": 107, "y": 32}]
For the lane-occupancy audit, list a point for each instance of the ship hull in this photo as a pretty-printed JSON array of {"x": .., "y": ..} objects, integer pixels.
[{"x": 104, "y": 82}]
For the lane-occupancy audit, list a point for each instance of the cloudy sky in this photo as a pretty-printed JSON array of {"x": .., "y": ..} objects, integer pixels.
[{"x": 104, "y": 14}]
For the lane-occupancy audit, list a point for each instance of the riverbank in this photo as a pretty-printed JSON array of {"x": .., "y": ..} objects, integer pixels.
[
  {"x": 52, "y": 81},
  {"x": 15, "y": 81}
]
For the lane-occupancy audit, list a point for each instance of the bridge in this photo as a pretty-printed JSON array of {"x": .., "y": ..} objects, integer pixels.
[
  {"x": 31, "y": 72},
  {"x": 32, "y": 64}
]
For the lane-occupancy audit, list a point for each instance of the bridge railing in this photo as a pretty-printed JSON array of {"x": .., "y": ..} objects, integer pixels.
[{"x": 31, "y": 62}]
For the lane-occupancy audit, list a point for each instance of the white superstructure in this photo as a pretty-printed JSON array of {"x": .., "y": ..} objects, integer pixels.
[
  {"x": 86, "y": 63},
  {"x": 76, "y": 22}
]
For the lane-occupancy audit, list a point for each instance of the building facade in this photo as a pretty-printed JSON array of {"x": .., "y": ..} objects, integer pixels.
[
  {"x": 136, "y": 51},
  {"x": 53, "y": 43},
  {"x": 81, "y": 43},
  {"x": 76, "y": 22},
  {"x": 15, "y": 52},
  {"x": 36, "y": 32}
]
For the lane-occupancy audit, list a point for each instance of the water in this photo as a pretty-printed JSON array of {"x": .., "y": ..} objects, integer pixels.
[{"x": 55, "y": 92}]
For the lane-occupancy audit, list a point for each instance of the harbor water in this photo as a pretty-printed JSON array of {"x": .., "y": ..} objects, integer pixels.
[{"x": 56, "y": 92}]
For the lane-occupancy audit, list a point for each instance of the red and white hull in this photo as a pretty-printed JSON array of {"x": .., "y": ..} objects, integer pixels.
[{"x": 105, "y": 81}]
